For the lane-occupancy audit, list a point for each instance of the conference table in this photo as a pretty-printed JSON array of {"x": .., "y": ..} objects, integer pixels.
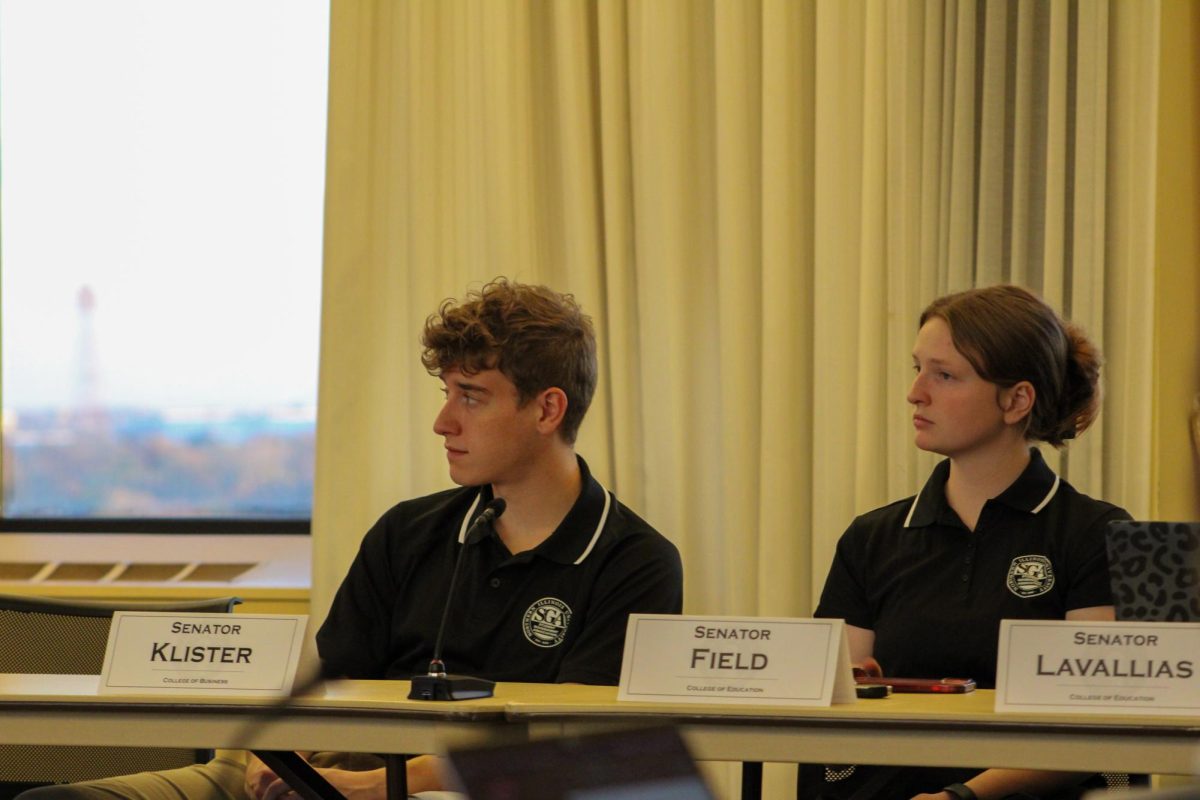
[
  {"x": 939, "y": 730},
  {"x": 377, "y": 717},
  {"x": 346, "y": 716}
]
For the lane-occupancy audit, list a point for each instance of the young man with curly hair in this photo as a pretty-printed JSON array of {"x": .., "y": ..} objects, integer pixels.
[{"x": 543, "y": 597}]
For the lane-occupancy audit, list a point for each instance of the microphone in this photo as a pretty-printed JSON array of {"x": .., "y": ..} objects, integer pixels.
[{"x": 437, "y": 685}]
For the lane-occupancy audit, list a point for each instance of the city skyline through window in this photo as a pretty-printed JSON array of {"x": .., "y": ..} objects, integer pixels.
[{"x": 161, "y": 203}]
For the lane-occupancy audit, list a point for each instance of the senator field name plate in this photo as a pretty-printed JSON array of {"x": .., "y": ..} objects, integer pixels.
[
  {"x": 738, "y": 660},
  {"x": 240, "y": 655},
  {"x": 1099, "y": 667}
]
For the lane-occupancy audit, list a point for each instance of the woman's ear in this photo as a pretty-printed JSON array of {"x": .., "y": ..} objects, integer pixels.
[{"x": 1017, "y": 401}]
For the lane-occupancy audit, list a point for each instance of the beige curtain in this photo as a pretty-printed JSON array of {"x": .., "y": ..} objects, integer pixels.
[{"x": 754, "y": 200}]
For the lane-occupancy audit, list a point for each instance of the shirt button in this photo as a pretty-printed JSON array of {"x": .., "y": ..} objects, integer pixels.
[
  {"x": 965, "y": 578},
  {"x": 495, "y": 582}
]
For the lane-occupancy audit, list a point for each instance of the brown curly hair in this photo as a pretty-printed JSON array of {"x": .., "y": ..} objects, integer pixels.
[
  {"x": 1009, "y": 335},
  {"x": 537, "y": 337}
]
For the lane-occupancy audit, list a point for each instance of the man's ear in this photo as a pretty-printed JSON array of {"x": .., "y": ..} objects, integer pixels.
[
  {"x": 552, "y": 408},
  {"x": 1017, "y": 401}
]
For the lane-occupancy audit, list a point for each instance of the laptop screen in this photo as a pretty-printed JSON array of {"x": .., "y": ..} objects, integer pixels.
[
  {"x": 640, "y": 764},
  {"x": 1154, "y": 570}
]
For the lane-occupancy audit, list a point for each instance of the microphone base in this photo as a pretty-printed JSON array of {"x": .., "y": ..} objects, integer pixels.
[{"x": 450, "y": 687}]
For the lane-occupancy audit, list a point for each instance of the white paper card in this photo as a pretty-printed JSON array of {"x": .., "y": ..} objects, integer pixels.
[
  {"x": 240, "y": 655},
  {"x": 1098, "y": 667},
  {"x": 737, "y": 660}
]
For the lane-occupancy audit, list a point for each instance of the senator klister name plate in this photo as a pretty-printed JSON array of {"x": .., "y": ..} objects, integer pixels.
[{"x": 219, "y": 654}]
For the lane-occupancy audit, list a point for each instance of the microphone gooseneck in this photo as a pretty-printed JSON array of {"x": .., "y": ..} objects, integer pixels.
[
  {"x": 484, "y": 521},
  {"x": 436, "y": 684}
]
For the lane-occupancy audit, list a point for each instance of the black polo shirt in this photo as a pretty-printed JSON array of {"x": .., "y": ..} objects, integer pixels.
[
  {"x": 934, "y": 592},
  {"x": 556, "y": 613}
]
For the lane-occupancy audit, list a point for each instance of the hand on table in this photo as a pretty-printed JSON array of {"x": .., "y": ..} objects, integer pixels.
[
  {"x": 258, "y": 777},
  {"x": 423, "y": 774},
  {"x": 868, "y": 667},
  {"x": 361, "y": 785}
]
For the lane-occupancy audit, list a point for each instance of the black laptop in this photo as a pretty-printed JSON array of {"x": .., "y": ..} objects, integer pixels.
[
  {"x": 640, "y": 764},
  {"x": 1154, "y": 570}
]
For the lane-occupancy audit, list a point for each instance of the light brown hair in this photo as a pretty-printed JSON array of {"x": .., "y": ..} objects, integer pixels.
[
  {"x": 537, "y": 337},
  {"x": 1009, "y": 335}
]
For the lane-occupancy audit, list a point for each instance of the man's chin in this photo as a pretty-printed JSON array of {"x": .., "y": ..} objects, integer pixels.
[{"x": 466, "y": 477}]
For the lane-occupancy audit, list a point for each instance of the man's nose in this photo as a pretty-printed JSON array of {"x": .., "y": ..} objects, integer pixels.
[{"x": 444, "y": 423}]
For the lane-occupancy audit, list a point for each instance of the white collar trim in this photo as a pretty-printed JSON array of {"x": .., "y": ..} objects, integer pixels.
[
  {"x": 466, "y": 523},
  {"x": 599, "y": 526},
  {"x": 1045, "y": 501},
  {"x": 1049, "y": 496}
]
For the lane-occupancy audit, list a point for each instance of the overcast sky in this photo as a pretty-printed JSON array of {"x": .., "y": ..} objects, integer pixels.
[{"x": 170, "y": 155}]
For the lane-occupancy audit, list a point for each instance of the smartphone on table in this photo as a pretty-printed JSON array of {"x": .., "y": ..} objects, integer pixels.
[{"x": 933, "y": 685}]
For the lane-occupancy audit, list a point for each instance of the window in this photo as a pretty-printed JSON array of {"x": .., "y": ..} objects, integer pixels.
[{"x": 161, "y": 191}]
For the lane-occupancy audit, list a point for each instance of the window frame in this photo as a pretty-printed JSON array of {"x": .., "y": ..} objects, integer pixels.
[
  {"x": 188, "y": 525},
  {"x": 158, "y": 525}
]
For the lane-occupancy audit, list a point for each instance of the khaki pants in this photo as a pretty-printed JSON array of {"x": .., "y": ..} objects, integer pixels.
[{"x": 223, "y": 778}]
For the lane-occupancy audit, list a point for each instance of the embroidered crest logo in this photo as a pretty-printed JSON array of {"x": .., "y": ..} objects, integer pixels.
[
  {"x": 1030, "y": 576},
  {"x": 545, "y": 622}
]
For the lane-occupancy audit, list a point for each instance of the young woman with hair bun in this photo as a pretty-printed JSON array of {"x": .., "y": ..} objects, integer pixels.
[{"x": 994, "y": 534}]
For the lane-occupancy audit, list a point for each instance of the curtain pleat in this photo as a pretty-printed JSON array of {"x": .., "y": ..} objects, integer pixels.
[{"x": 782, "y": 580}]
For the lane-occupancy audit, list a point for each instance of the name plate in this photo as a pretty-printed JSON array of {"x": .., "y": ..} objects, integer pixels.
[
  {"x": 174, "y": 653},
  {"x": 740, "y": 660},
  {"x": 1099, "y": 667}
]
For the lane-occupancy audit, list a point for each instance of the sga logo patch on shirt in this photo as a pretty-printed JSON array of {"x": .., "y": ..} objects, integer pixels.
[
  {"x": 1030, "y": 576},
  {"x": 545, "y": 622}
]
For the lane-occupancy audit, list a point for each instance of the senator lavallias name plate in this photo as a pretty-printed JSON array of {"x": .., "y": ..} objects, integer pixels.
[{"x": 1099, "y": 667}]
